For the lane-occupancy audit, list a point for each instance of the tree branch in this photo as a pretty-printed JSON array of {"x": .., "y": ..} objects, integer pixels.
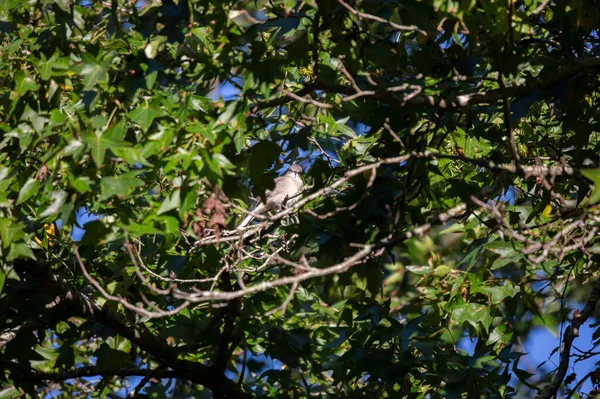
[
  {"x": 552, "y": 77},
  {"x": 569, "y": 336},
  {"x": 509, "y": 131},
  {"x": 409, "y": 28},
  {"x": 90, "y": 371},
  {"x": 80, "y": 306}
]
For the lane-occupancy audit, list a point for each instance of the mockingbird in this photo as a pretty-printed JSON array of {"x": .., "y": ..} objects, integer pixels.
[{"x": 286, "y": 193}]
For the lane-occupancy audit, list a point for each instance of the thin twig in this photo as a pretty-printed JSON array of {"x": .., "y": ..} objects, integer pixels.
[
  {"x": 306, "y": 100},
  {"x": 409, "y": 28},
  {"x": 171, "y": 279},
  {"x": 549, "y": 78},
  {"x": 541, "y": 7},
  {"x": 123, "y": 301},
  {"x": 203, "y": 296},
  {"x": 387, "y": 127},
  {"x": 283, "y": 307},
  {"x": 509, "y": 131},
  {"x": 525, "y": 171}
]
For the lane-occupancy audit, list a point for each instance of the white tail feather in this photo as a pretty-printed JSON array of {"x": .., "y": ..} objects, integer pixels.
[{"x": 261, "y": 208}]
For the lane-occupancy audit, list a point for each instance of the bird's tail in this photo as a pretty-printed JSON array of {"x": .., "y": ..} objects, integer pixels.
[{"x": 261, "y": 208}]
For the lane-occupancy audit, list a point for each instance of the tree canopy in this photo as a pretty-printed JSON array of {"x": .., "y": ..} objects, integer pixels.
[{"x": 451, "y": 170}]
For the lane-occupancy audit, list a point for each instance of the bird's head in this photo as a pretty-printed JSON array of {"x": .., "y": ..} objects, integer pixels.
[{"x": 295, "y": 169}]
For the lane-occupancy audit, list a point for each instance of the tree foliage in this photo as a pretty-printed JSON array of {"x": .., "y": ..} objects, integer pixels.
[{"x": 450, "y": 151}]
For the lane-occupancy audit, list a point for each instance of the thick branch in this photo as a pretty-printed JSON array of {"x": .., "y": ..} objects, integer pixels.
[{"x": 80, "y": 306}]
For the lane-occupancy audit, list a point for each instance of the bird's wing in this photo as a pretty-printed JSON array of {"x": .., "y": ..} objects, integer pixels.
[{"x": 279, "y": 181}]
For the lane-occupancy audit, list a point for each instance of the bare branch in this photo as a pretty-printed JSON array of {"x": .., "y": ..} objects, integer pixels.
[
  {"x": 409, "y": 28},
  {"x": 283, "y": 307},
  {"x": 81, "y": 306},
  {"x": 541, "y": 7},
  {"x": 123, "y": 301},
  {"x": 9, "y": 335},
  {"x": 352, "y": 206},
  {"x": 525, "y": 171},
  {"x": 300, "y": 268},
  {"x": 509, "y": 130},
  {"x": 330, "y": 159},
  {"x": 357, "y": 258},
  {"x": 170, "y": 279},
  {"x": 306, "y": 100},
  {"x": 203, "y": 296},
  {"x": 580, "y": 383},
  {"x": 387, "y": 127},
  {"x": 551, "y": 77}
]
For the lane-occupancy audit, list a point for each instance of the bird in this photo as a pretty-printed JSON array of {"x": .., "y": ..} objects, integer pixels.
[{"x": 285, "y": 193}]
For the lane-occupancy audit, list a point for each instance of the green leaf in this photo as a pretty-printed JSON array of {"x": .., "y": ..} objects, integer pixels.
[
  {"x": 474, "y": 147},
  {"x": 95, "y": 232},
  {"x": 473, "y": 313},
  {"x": 442, "y": 270},
  {"x": 4, "y": 171},
  {"x": 173, "y": 202},
  {"x": 30, "y": 188},
  {"x": 64, "y": 5},
  {"x": 2, "y": 279},
  {"x": 522, "y": 375},
  {"x": 222, "y": 161},
  {"x": 36, "y": 120},
  {"x": 121, "y": 186},
  {"x": 419, "y": 269},
  {"x": 473, "y": 255},
  {"x": 93, "y": 74},
  {"x": 73, "y": 147},
  {"x": 10, "y": 393},
  {"x": 171, "y": 224},
  {"x": 24, "y": 83},
  {"x": 145, "y": 114},
  {"x": 152, "y": 48},
  {"x": 338, "y": 126},
  {"x": 81, "y": 183},
  {"x": 20, "y": 250},
  {"x": 594, "y": 176},
  {"x": 110, "y": 359},
  {"x": 502, "y": 248},
  {"x": 52, "y": 89},
  {"x": 483, "y": 362},
  {"x": 359, "y": 281},
  {"x": 10, "y": 231},
  {"x": 142, "y": 229},
  {"x": 227, "y": 115},
  {"x": 503, "y": 261},
  {"x": 100, "y": 142},
  {"x": 499, "y": 292},
  {"x": 111, "y": 287},
  {"x": 151, "y": 79}
]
